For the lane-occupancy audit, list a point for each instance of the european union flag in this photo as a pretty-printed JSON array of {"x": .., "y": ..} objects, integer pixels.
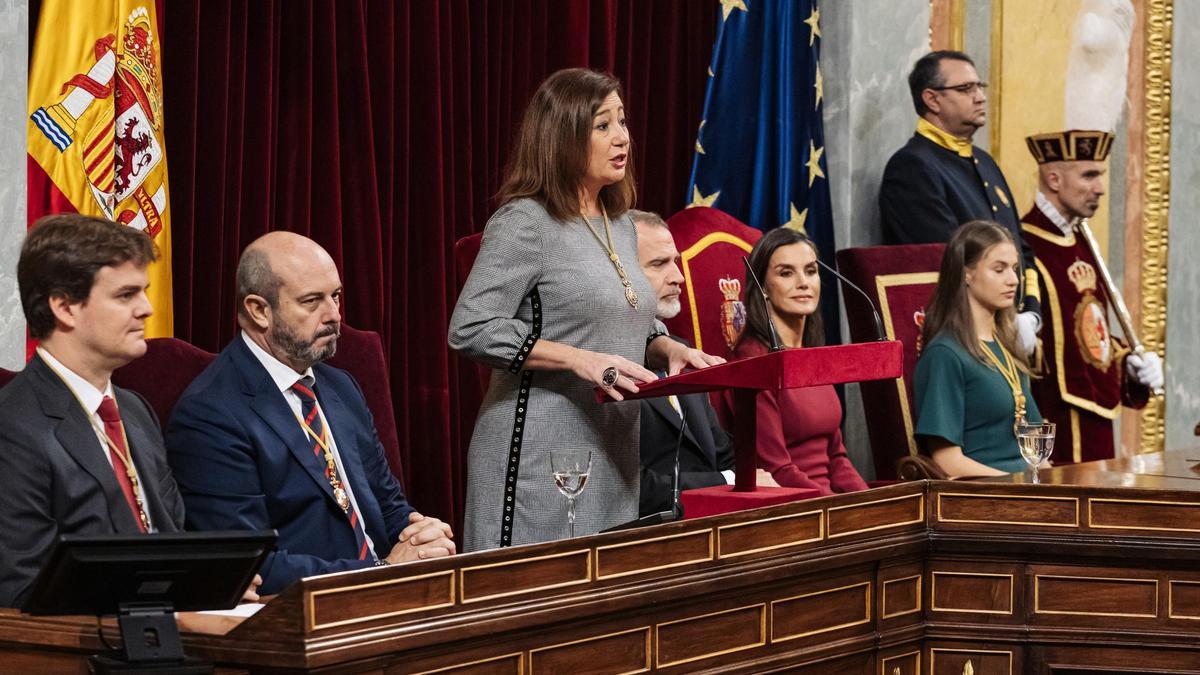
[{"x": 760, "y": 148}]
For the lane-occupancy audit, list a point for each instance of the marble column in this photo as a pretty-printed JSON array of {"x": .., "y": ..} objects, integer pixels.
[
  {"x": 867, "y": 51},
  {"x": 14, "y": 56},
  {"x": 1183, "y": 275}
]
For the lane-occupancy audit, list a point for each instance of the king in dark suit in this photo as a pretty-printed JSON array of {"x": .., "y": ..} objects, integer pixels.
[
  {"x": 79, "y": 455},
  {"x": 269, "y": 437},
  {"x": 705, "y": 452}
]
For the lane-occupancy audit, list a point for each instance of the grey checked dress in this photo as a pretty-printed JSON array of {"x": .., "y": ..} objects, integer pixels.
[{"x": 539, "y": 278}]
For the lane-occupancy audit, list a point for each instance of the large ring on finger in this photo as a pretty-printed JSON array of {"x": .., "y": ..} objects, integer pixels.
[{"x": 609, "y": 378}]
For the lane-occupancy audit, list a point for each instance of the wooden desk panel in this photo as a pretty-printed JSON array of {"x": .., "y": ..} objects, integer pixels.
[{"x": 910, "y": 578}]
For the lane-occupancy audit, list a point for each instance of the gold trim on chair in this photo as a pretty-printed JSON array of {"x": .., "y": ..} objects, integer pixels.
[
  {"x": 691, "y": 252},
  {"x": 882, "y": 283}
]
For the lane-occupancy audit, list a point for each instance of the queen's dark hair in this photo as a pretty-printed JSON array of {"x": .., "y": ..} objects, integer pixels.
[{"x": 756, "y": 310}]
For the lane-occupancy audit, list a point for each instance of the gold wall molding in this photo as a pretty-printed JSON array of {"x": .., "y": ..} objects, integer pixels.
[
  {"x": 1156, "y": 190},
  {"x": 996, "y": 83},
  {"x": 947, "y": 24}
]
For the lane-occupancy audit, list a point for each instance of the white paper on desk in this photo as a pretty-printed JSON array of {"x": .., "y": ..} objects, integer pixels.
[{"x": 246, "y": 609}]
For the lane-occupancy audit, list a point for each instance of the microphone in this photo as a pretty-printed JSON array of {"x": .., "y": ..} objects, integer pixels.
[
  {"x": 676, "y": 506},
  {"x": 880, "y": 335},
  {"x": 775, "y": 346}
]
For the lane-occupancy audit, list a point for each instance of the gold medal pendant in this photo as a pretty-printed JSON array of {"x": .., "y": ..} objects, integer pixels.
[
  {"x": 631, "y": 295},
  {"x": 342, "y": 499}
]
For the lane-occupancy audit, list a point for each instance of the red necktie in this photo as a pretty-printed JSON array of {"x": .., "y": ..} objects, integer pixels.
[
  {"x": 303, "y": 388},
  {"x": 118, "y": 452}
]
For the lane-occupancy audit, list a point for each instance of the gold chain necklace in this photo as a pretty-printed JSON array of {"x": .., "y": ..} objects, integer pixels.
[
  {"x": 130, "y": 472},
  {"x": 339, "y": 493},
  {"x": 630, "y": 295},
  {"x": 126, "y": 456},
  {"x": 1008, "y": 370}
]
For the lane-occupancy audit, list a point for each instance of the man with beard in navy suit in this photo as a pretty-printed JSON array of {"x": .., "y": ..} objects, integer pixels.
[{"x": 268, "y": 436}]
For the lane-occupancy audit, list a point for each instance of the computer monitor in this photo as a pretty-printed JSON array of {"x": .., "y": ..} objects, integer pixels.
[
  {"x": 191, "y": 571},
  {"x": 144, "y": 579}
]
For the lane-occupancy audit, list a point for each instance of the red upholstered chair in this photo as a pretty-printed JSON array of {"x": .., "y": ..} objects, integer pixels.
[
  {"x": 900, "y": 281},
  {"x": 711, "y": 244},
  {"x": 465, "y": 252},
  {"x": 360, "y": 353},
  {"x": 170, "y": 365},
  {"x": 6, "y": 376},
  {"x": 167, "y": 368}
]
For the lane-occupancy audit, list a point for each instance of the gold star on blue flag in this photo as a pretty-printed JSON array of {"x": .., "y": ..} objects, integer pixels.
[{"x": 761, "y": 146}]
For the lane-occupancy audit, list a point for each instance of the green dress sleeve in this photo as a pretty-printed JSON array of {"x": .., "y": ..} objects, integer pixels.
[{"x": 939, "y": 387}]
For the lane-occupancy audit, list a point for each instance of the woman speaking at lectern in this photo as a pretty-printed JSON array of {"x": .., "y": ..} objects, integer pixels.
[
  {"x": 799, "y": 430},
  {"x": 557, "y": 305}
]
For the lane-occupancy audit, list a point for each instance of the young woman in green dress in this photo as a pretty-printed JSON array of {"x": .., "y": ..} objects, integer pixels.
[{"x": 971, "y": 383}]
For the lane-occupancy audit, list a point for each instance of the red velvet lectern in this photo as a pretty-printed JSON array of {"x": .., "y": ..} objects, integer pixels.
[{"x": 787, "y": 369}]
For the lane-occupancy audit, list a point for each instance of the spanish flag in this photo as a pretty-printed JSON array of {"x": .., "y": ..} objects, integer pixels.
[{"x": 96, "y": 140}]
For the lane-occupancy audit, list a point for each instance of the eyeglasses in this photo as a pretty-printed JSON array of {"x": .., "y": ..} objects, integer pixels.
[{"x": 968, "y": 88}]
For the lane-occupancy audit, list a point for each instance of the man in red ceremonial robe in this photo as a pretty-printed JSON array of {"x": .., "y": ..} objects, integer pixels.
[{"x": 1087, "y": 374}]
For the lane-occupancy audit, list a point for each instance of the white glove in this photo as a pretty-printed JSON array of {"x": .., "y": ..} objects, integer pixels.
[
  {"x": 1146, "y": 369},
  {"x": 1028, "y": 325}
]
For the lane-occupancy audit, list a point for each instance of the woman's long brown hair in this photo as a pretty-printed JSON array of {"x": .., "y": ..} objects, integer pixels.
[
  {"x": 950, "y": 309},
  {"x": 550, "y": 156}
]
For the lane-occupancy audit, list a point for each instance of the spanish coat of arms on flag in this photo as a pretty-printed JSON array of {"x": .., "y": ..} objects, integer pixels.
[{"x": 96, "y": 123}]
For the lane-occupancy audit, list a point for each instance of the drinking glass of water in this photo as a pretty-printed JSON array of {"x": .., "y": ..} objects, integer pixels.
[
  {"x": 1036, "y": 442},
  {"x": 571, "y": 468}
]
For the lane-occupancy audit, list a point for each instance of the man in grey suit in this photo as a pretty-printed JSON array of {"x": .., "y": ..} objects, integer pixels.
[
  {"x": 79, "y": 455},
  {"x": 705, "y": 452}
]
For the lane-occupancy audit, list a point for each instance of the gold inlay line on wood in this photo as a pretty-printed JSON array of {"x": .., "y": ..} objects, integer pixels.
[
  {"x": 605, "y": 636},
  {"x": 1171, "y": 600},
  {"x": 933, "y": 592},
  {"x": 866, "y": 611},
  {"x": 641, "y": 570},
  {"x": 1150, "y": 502},
  {"x": 762, "y": 635},
  {"x": 462, "y": 585},
  {"x": 1037, "y": 607},
  {"x": 920, "y": 497},
  {"x": 311, "y": 600},
  {"x": 969, "y": 495},
  {"x": 721, "y": 554},
  {"x": 520, "y": 664},
  {"x": 883, "y": 612},
  {"x": 883, "y": 663},
  {"x": 933, "y": 652}
]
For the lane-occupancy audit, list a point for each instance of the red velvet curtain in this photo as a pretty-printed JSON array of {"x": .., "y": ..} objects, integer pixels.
[{"x": 379, "y": 129}]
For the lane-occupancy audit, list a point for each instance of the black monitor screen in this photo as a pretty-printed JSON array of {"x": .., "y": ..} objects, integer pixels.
[{"x": 192, "y": 571}]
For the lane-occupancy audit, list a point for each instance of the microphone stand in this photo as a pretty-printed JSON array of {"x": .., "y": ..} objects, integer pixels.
[
  {"x": 880, "y": 335},
  {"x": 775, "y": 345},
  {"x": 676, "y": 505}
]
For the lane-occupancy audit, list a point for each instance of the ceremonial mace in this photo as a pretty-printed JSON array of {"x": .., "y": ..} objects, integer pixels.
[{"x": 1117, "y": 299}]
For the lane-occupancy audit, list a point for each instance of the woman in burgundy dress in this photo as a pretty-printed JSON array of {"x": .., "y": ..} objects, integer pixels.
[{"x": 799, "y": 430}]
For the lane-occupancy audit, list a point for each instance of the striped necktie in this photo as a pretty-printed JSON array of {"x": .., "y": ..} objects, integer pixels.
[{"x": 314, "y": 427}]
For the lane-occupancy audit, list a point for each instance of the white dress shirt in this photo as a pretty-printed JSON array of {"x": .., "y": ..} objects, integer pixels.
[
  {"x": 90, "y": 398},
  {"x": 284, "y": 377},
  {"x": 1053, "y": 214}
]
